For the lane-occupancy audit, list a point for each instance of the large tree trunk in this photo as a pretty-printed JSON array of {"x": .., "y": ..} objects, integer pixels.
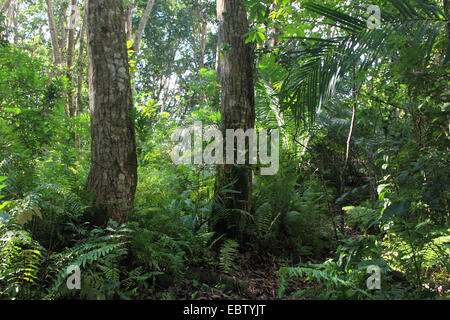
[
  {"x": 238, "y": 112},
  {"x": 113, "y": 174}
]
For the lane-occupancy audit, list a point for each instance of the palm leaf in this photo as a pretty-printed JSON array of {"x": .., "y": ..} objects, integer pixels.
[{"x": 318, "y": 65}]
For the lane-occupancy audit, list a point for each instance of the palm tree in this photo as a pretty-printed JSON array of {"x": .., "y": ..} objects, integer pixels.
[{"x": 318, "y": 65}]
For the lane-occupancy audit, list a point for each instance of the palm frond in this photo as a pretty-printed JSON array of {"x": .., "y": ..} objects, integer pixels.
[{"x": 318, "y": 65}]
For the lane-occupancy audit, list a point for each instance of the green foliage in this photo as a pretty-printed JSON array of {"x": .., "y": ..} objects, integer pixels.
[
  {"x": 171, "y": 50},
  {"x": 319, "y": 64},
  {"x": 387, "y": 204},
  {"x": 345, "y": 276},
  {"x": 299, "y": 221},
  {"x": 29, "y": 103},
  {"x": 160, "y": 244},
  {"x": 362, "y": 218},
  {"x": 98, "y": 256},
  {"x": 335, "y": 285},
  {"x": 163, "y": 243},
  {"x": 310, "y": 225},
  {"x": 20, "y": 260},
  {"x": 263, "y": 220}
]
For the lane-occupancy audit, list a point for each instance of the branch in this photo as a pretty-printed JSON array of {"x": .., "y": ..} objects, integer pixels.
[
  {"x": 6, "y": 6},
  {"x": 141, "y": 27}
]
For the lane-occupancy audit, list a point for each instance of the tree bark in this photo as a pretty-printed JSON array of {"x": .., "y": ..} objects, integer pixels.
[
  {"x": 355, "y": 93},
  {"x": 350, "y": 136},
  {"x": 80, "y": 66},
  {"x": 238, "y": 112},
  {"x": 220, "y": 6},
  {"x": 113, "y": 174},
  {"x": 447, "y": 14},
  {"x": 6, "y": 6},
  {"x": 202, "y": 42},
  {"x": 70, "y": 54},
  {"x": 53, "y": 33},
  {"x": 129, "y": 22},
  {"x": 80, "y": 77},
  {"x": 15, "y": 9},
  {"x": 62, "y": 27},
  {"x": 90, "y": 68}
]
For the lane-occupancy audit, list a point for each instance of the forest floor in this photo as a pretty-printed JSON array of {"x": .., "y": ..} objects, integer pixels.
[
  {"x": 253, "y": 281},
  {"x": 257, "y": 278},
  {"x": 260, "y": 282}
]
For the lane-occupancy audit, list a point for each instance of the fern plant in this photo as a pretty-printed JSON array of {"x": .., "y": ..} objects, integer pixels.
[
  {"x": 136, "y": 284},
  {"x": 264, "y": 220},
  {"x": 20, "y": 261},
  {"x": 228, "y": 255},
  {"x": 336, "y": 285},
  {"x": 98, "y": 259}
]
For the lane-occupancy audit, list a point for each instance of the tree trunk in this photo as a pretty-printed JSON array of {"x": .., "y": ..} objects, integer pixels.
[
  {"x": 274, "y": 31},
  {"x": 447, "y": 13},
  {"x": 113, "y": 174},
  {"x": 220, "y": 5},
  {"x": 15, "y": 9},
  {"x": 62, "y": 27},
  {"x": 80, "y": 66},
  {"x": 80, "y": 77},
  {"x": 140, "y": 30},
  {"x": 90, "y": 68},
  {"x": 6, "y": 6},
  {"x": 238, "y": 112},
  {"x": 202, "y": 42},
  {"x": 355, "y": 93},
  {"x": 53, "y": 33},
  {"x": 129, "y": 22},
  {"x": 70, "y": 53}
]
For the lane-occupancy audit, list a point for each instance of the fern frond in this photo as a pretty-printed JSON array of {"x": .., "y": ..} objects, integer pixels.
[
  {"x": 228, "y": 255},
  {"x": 315, "y": 273}
]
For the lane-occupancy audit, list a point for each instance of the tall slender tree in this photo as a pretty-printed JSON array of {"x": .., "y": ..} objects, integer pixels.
[
  {"x": 203, "y": 35},
  {"x": 140, "y": 30},
  {"x": 447, "y": 13},
  {"x": 6, "y": 5},
  {"x": 53, "y": 33},
  {"x": 113, "y": 174},
  {"x": 70, "y": 56}
]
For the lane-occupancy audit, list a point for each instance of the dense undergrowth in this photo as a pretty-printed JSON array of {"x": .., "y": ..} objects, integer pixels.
[{"x": 321, "y": 223}]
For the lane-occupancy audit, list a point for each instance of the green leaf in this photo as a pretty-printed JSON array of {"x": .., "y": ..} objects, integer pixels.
[{"x": 395, "y": 209}]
